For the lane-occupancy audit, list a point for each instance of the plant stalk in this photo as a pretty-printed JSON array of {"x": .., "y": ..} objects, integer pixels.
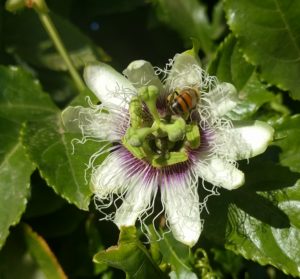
[{"x": 53, "y": 34}]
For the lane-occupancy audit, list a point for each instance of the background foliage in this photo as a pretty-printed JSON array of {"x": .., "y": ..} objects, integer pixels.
[{"x": 48, "y": 225}]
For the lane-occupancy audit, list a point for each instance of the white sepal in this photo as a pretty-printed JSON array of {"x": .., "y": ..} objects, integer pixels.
[
  {"x": 223, "y": 98},
  {"x": 98, "y": 125},
  {"x": 221, "y": 173},
  {"x": 141, "y": 73},
  {"x": 247, "y": 140},
  {"x": 185, "y": 72},
  {"x": 108, "y": 85}
]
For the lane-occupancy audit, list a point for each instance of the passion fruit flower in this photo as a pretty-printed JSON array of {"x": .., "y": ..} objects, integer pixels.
[{"x": 156, "y": 149}]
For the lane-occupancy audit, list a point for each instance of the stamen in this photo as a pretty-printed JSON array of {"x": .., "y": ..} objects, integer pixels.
[
  {"x": 162, "y": 142},
  {"x": 136, "y": 136},
  {"x": 175, "y": 130},
  {"x": 149, "y": 95},
  {"x": 193, "y": 136}
]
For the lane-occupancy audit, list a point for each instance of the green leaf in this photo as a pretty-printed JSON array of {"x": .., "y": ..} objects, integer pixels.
[
  {"x": 42, "y": 254},
  {"x": 230, "y": 66},
  {"x": 15, "y": 260},
  {"x": 268, "y": 34},
  {"x": 95, "y": 243},
  {"x": 52, "y": 150},
  {"x": 268, "y": 244},
  {"x": 21, "y": 99},
  {"x": 26, "y": 39},
  {"x": 259, "y": 220},
  {"x": 229, "y": 262},
  {"x": 43, "y": 136},
  {"x": 188, "y": 18},
  {"x": 21, "y": 96},
  {"x": 15, "y": 171},
  {"x": 288, "y": 134},
  {"x": 131, "y": 256},
  {"x": 177, "y": 255}
]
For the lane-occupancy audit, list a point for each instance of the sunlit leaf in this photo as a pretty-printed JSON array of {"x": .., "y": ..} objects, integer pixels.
[
  {"x": 42, "y": 254},
  {"x": 268, "y": 34},
  {"x": 131, "y": 256}
]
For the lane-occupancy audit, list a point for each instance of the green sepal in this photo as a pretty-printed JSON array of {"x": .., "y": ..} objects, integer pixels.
[
  {"x": 194, "y": 50},
  {"x": 40, "y": 6},
  {"x": 172, "y": 159},
  {"x": 193, "y": 136},
  {"x": 14, "y": 5},
  {"x": 131, "y": 256}
]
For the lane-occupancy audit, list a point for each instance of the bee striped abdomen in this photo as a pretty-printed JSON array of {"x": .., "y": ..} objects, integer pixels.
[{"x": 184, "y": 101}]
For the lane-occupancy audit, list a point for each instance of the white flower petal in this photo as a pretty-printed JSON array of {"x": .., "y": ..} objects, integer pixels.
[
  {"x": 108, "y": 85},
  {"x": 90, "y": 123},
  {"x": 220, "y": 173},
  {"x": 141, "y": 73},
  {"x": 108, "y": 178},
  {"x": 137, "y": 201},
  {"x": 248, "y": 140},
  {"x": 182, "y": 209},
  {"x": 186, "y": 71},
  {"x": 222, "y": 98}
]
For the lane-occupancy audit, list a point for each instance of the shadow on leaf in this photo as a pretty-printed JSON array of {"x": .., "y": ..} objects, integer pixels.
[{"x": 263, "y": 176}]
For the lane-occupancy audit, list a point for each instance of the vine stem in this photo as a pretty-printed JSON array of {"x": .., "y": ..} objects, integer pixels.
[{"x": 53, "y": 34}]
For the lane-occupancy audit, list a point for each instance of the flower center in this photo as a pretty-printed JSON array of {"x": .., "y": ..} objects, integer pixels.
[{"x": 159, "y": 140}]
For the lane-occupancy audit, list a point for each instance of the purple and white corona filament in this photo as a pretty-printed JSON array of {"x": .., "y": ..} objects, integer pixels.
[{"x": 156, "y": 150}]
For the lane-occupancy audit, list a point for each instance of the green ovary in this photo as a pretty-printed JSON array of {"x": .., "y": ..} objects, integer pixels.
[{"x": 161, "y": 141}]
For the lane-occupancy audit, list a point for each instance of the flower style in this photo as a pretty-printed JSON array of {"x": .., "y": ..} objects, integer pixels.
[{"x": 166, "y": 136}]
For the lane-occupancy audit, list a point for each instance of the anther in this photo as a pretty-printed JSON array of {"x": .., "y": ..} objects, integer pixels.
[{"x": 149, "y": 95}]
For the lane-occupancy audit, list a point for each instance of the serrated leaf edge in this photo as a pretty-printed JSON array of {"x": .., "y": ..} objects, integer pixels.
[{"x": 44, "y": 176}]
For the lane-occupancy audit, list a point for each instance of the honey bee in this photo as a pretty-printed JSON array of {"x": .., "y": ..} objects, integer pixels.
[{"x": 182, "y": 102}]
